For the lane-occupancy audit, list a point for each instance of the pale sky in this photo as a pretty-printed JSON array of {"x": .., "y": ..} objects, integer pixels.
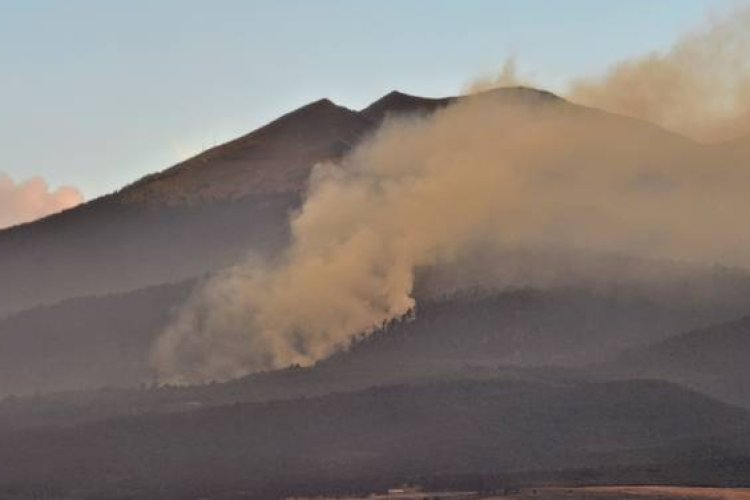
[{"x": 97, "y": 93}]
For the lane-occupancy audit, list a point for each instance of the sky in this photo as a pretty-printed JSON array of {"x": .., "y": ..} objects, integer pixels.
[{"x": 97, "y": 93}]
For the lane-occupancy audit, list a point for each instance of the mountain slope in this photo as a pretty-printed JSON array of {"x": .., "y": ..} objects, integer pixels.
[
  {"x": 396, "y": 433},
  {"x": 713, "y": 360},
  {"x": 200, "y": 215},
  {"x": 496, "y": 333},
  {"x": 276, "y": 158},
  {"x": 85, "y": 343}
]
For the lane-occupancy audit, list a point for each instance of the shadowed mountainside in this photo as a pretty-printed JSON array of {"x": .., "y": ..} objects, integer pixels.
[
  {"x": 712, "y": 360},
  {"x": 518, "y": 334},
  {"x": 85, "y": 343},
  {"x": 394, "y": 434}
]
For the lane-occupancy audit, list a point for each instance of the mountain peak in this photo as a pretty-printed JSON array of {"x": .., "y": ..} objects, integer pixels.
[
  {"x": 275, "y": 158},
  {"x": 522, "y": 93},
  {"x": 400, "y": 103},
  {"x": 321, "y": 105},
  {"x": 396, "y": 102}
]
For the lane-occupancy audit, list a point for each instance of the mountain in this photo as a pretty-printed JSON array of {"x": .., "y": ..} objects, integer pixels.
[
  {"x": 198, "y": 216},
  {"x": 276, "y": 158},
  {"x": 85, "y": 343},
  {"x": 713, "y": 360},
  {"x": 492, "y": 382},
  {"x": 96, "y": 342},
  {"x": 209, "y": 211},
  {"x": 372, "y": 439},
  {"x": 528, "y": 334},
  {"x": 564, "y": 327},
  {"x": 397, "y": 103}
]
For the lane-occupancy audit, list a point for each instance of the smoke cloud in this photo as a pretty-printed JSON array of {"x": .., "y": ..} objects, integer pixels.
[
  {"x": 515, "y": 171},
  {"x": 700, "y": 87},
  {"x": 29, "y": 200},
  {"x": 507, "y": 77}
]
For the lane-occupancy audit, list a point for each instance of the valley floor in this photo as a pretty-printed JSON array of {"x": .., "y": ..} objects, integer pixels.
[
  {"x": 636, "y": 493},
  {"x": 578, "y": 493}
]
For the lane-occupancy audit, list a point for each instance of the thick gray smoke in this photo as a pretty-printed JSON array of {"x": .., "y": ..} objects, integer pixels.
[
  {"x": 534, "y": 175},
  {"x": 32, "y": 199}
]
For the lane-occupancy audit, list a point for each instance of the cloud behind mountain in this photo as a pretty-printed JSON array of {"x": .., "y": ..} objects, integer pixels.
[{"x": 32, "y": 199}]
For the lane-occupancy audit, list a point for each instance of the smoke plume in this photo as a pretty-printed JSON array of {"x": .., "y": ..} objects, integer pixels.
[
  {"x": 700, "y": 87},
  {"x": 527, "y": 173},
  {"x": 507, "y": 77},
  {"x": 32, "y": 199}
]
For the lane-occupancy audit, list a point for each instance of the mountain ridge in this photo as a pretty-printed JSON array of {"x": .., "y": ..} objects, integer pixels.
[
  {"x": 319, "y": 131},
  {"x": 713, "y": 360}
]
